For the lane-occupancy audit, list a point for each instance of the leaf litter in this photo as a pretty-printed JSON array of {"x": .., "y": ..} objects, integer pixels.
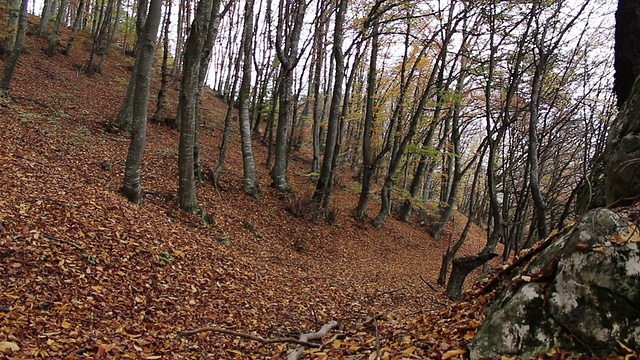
[{"x": 86, "y": 274}]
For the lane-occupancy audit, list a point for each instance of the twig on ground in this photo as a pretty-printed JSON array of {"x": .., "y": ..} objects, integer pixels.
[
  {"x": 375, "y": 324},
  {"x": 249, "y": 336},
  {"x": 46, "y": 236},
  {"x": 382, "y": 293},
  {"x": 297, "y": 353},
  {"x": 429, "y": 285},
  {"x": 368, "y": 321}
]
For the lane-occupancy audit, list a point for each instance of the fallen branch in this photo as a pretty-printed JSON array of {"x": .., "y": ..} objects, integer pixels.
[
  {"x": 429, "y": 285},
  {"x": 504, "y": 273},
  {"x": 368, "y": 321},
  {"x": 46, "y": 236},
  {"x": 249, "y": 336},
  {"x": 297, "y": 353}
]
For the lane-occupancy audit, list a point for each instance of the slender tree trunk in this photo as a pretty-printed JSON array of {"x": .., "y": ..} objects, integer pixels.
[
  {"x": 12, "y": 26},
  {"x": 10, "y": 65},
  {"x": 50, "y": 50},
  {"x": 369, "y": 164},
  {"x": 132, "y": 188},
  {"x": 125, "y": 115},
  {"x": 44, "y": 18},
  {"x": 157, "y": 115},
  {"x": 188, "y": 102},
  {"x": 534, "y": 172},
  {"x": 323, "y": 187},
  {"x": 109, "y": 41},
  {"x": 249, "y": 181},
  {"x": 77, "y": 22},
  {"x": 451, "y": 252},
  {"x": 99, "y": 31},
  {"x": 288, "y": 56}
]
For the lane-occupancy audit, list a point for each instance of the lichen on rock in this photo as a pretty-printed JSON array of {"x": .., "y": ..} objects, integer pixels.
[{"x": 588, "y": 305}]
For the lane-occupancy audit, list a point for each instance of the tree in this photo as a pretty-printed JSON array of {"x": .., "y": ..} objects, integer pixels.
[
  {"x": 323, "y": 186},
  {"x": 187, "y": 106},
  {"x": 622, "y": 155},
  {"x": 44, "y": 17},
  {"x": 125, "y": 116},
  {"x": 10, "y": 65},
  {"x": 12, "y": 26},
  {"x": 132, "y": 188},
  {"x": 249, "y": 182},
  {"x": 77, "y": 22},
  {"x": 157, "y": 115},
  {"x": 291, "y": 18},
  {"x": 53, "y": 37}
]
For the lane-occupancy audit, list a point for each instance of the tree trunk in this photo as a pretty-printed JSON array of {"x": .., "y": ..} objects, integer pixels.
[
  {"x": 10, "y": 65},
  {"x": 109, "y": 41},
  {"x": 53, "y": 38},
  {"x": 323, "y": 187},
  {"x": 534, "y": 162},
  {"x": 77, "y": 22},
  {"x": 627, "y": 48},
  {"x": 44, "y": 18},
  {"x": 132, "y": 188},
  {"x": 249, "y": 182},
  {"x": 288, "y": 56},
  {"x": 622, "y": 154},
  {"x": 462, "y": 266},
  {"x": 157, "y": 115},
  {"x": 188, "y": 102},
  {"x": 125, "y": 115},
  {"x": 368, "y": 167},
  {"x": 12, "y": 26}
]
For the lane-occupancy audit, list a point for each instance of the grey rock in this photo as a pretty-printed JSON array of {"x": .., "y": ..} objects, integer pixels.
[{"x": 591, "y": 302}]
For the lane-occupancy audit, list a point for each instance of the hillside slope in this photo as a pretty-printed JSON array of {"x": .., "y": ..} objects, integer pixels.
[{"x": 86, "y": 273}]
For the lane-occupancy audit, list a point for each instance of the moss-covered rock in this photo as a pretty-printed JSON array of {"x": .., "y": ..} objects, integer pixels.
[{"x": 589, "y": 304}]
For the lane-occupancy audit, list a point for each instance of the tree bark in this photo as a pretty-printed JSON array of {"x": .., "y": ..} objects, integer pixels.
[
  {"x": 249, "y": 182},
  {"x": 323, "y": 186},
  {"x": 132, "y": 188},
  {"x": 627, "y": 48},
  {"x": 368, "y": 164},
  {"x": 44, "y": 18},
  {"x": 12, "y": 26},
  {"x": 157, "y": 115},
  {"x": 53, "y": 37},
  {"x": 288, "y": 55},
  {"x": 462, "y": 266},
  {"x": 125, "y": 115},
  {"x": 188, "y": 102},
  {"x": 10, "y": 65},
  {"x": 77, "y": 22}
]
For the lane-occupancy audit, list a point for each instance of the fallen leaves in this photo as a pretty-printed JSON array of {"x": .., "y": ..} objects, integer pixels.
[
  {"x": 86, "y": 273},
  {"x": 8, "y": 347}
]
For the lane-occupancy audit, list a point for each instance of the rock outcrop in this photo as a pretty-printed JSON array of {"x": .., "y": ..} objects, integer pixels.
[{"x": 581, "y": 294}]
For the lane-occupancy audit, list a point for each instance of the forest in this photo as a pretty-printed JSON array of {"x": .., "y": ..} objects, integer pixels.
[{"x": 266, "y": 172}]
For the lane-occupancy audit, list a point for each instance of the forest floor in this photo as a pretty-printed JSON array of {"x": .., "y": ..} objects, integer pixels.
[{"x": 86, "y": 274}]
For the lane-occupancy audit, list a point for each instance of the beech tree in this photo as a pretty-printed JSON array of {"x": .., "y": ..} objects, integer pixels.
[
  {"x": 193, "y": 57},
  {"x": 290, "y": 22},
  {"x": 249, "y": 182},
  {"x": 12, "y": 26},
  {"x": 53, "y": 37},
  {"x": 132, "y": 188},
  {"x": 622, "y": 157},
  {"x": 125, "y": 116},
  {"x": 323, "y": 186},
  {"x": 77, "y": 22},
  {"x": 10, "y": 65}
]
